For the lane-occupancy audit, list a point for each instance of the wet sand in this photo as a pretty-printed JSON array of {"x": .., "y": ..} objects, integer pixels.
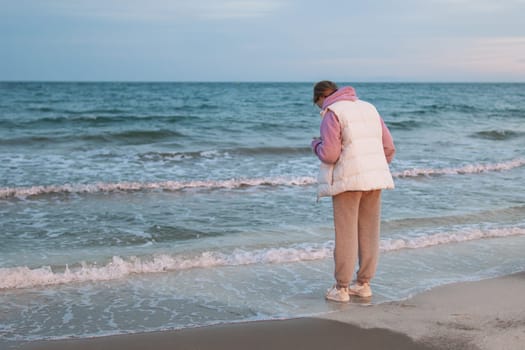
[{"x": 487, "y": 314}]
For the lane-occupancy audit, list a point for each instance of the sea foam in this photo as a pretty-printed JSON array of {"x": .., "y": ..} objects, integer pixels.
[
  {"x": 467, "y": 169},
  {"x": 120, "y": 267},
  {"x": 24, "y": 192}
]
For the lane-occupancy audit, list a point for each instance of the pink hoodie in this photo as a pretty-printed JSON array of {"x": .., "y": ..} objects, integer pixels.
[{"x": 328, "y": 146}]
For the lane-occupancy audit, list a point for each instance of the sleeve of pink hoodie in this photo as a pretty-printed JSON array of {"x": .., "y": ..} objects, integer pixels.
[
  {"x": 388, "y": 143},
  {"x": 328, "y": 147}
]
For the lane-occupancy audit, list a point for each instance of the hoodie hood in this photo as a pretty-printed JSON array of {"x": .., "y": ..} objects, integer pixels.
[{"x": 346, "y": 93}]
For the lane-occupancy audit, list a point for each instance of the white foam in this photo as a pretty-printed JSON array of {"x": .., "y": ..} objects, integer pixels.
[
  {"x": 448, "y": 238},
  {"x": 119, "y": 267},
  {"x": 23, "y": 192},
  {"x": 23, "y": 277},
  {"x": 467, "y": 169}
]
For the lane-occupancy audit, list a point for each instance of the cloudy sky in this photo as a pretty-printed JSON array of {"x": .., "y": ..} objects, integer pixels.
[{"x": 262, "y": 40}]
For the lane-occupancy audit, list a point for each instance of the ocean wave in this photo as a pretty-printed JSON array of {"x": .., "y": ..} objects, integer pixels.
[
  {"x": 452, "y": 107},
  {"x": 121, "y": 267},
  {"x": 498, "y": 135},
  {"x": 449, "y": 238},
  {"x": 403, "y": 125},
  {"x": 503, "y": 214},
  {"x": 133, "y": 136},
  {"x": 160, "y": 156},
  {"x": 435, "y": 109},
  {"x": 48, "y": 109},
  {"x": 24, "y": 192},
  {"x": 463, "y": 170},
  {"x": 41, "y": 109},
  {"x": 272, "y": 150},
  {"x": 247, "y": 151},
  {"x": 126, "y": 137},
  {"x": 90, "y": 118}
]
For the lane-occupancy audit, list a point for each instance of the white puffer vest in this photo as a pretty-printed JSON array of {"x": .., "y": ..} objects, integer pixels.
[{"x": 362, "y": 165}]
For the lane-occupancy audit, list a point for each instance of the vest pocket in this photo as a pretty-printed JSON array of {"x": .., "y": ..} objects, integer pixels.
[{"x": 326, "y": 174}]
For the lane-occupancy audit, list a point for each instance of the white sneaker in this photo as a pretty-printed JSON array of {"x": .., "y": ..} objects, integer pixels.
[
  {"x": 360, "y": 290},
  {"x": 338, "y": 295}
]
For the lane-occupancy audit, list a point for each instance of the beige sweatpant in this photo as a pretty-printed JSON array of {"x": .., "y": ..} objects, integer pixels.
[{"x": 357, "y": 224}]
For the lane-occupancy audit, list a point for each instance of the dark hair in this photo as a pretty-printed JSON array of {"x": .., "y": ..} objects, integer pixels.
[{"x": 324, "y": 88}]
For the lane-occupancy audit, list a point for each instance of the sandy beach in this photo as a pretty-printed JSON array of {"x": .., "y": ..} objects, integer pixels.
[{"x": 487, "y": 314}]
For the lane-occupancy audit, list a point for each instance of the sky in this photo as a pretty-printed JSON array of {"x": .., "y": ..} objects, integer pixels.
[{"x": 263, "y": 40}]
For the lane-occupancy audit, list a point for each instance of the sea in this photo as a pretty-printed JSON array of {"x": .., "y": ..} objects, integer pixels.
[{"x": 136, "y": 207}]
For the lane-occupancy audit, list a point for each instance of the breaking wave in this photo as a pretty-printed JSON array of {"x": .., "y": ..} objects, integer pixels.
[
  {"x": 467, "y": 169},
  {"x": 121, "y": 267},
  {"x": 24, "y": 192}
]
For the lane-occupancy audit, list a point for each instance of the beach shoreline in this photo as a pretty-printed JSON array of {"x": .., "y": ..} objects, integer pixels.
[{"x": 485, "y": 314}]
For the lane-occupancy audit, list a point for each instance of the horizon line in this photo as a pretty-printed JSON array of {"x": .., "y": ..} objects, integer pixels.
[{"x": 264, "y": 81}]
